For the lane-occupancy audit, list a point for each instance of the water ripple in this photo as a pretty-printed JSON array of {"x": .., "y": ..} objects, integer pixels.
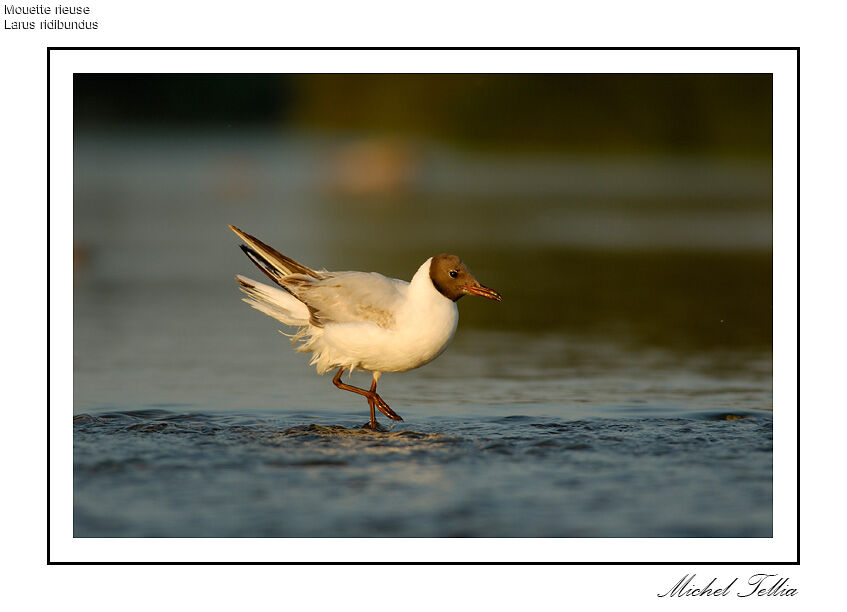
[{"x": 177, "y": 473}]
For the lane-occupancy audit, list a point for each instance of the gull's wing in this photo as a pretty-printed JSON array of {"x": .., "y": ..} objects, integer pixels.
[
  {"x": 343, "y": 297},
  {"x": 274, "y": 264}
]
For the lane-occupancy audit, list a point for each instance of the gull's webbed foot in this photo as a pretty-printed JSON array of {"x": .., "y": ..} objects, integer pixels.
[{"x": 385, "y": 409}]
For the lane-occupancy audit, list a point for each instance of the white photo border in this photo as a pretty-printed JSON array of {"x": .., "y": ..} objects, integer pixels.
[{"x": 782, "y": 548}]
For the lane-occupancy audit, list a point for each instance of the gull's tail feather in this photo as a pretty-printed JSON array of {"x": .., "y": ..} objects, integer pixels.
[
  {"x": 276, "y": 303},
  {"x": 270, "y": 261}
]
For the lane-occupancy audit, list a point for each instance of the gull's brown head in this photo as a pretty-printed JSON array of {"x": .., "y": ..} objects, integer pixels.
[{"x": 453, "y": 279}]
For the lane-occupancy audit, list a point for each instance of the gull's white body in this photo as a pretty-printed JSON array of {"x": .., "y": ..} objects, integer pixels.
[{"x": 368, "y": 321}]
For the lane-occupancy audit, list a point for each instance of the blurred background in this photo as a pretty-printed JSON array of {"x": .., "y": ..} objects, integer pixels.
[
  {"x": 622, "y": 388},
  {"x": 632, "y": 210}
]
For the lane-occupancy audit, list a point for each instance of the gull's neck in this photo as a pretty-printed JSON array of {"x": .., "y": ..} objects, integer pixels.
[
  {"x": 422, "y": 290},
  {"x": 430, "y": 312}
]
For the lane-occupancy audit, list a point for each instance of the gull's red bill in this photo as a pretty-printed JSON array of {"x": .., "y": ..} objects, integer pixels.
[{"x": 484, "y": 292}]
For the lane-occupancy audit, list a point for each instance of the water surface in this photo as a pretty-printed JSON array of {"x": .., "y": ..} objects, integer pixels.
[{"x": 174, "y": 473}]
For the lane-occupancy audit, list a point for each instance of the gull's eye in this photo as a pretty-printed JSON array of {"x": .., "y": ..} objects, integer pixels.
[{"x": 453, "y": 274}]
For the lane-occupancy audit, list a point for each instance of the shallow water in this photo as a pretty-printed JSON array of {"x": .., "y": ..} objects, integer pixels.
[
  {"x": 622, "y": 388},
  {"x": 184, "y": 473},
  {"x": 577, "y": 439}
]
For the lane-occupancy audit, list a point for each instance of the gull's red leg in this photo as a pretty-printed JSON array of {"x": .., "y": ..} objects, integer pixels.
[
  {"x": 382, "y": 406},
  {"x": 374, "y": 400}
]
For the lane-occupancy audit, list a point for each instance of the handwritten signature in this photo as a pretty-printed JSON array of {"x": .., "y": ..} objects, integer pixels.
[{"x": 760, "y": 585}]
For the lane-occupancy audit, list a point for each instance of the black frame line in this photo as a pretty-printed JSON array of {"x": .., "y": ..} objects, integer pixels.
[{"x": 609, "y": 563}]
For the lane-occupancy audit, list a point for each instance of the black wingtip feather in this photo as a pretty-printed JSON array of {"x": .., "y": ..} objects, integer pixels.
[{"x": 263, "y": 264}]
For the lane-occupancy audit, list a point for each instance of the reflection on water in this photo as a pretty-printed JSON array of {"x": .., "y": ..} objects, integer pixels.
[{"x": 622, "y": 388}]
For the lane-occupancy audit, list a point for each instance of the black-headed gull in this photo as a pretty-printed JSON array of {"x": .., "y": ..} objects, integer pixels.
[{"x": 363, "y": 320}]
